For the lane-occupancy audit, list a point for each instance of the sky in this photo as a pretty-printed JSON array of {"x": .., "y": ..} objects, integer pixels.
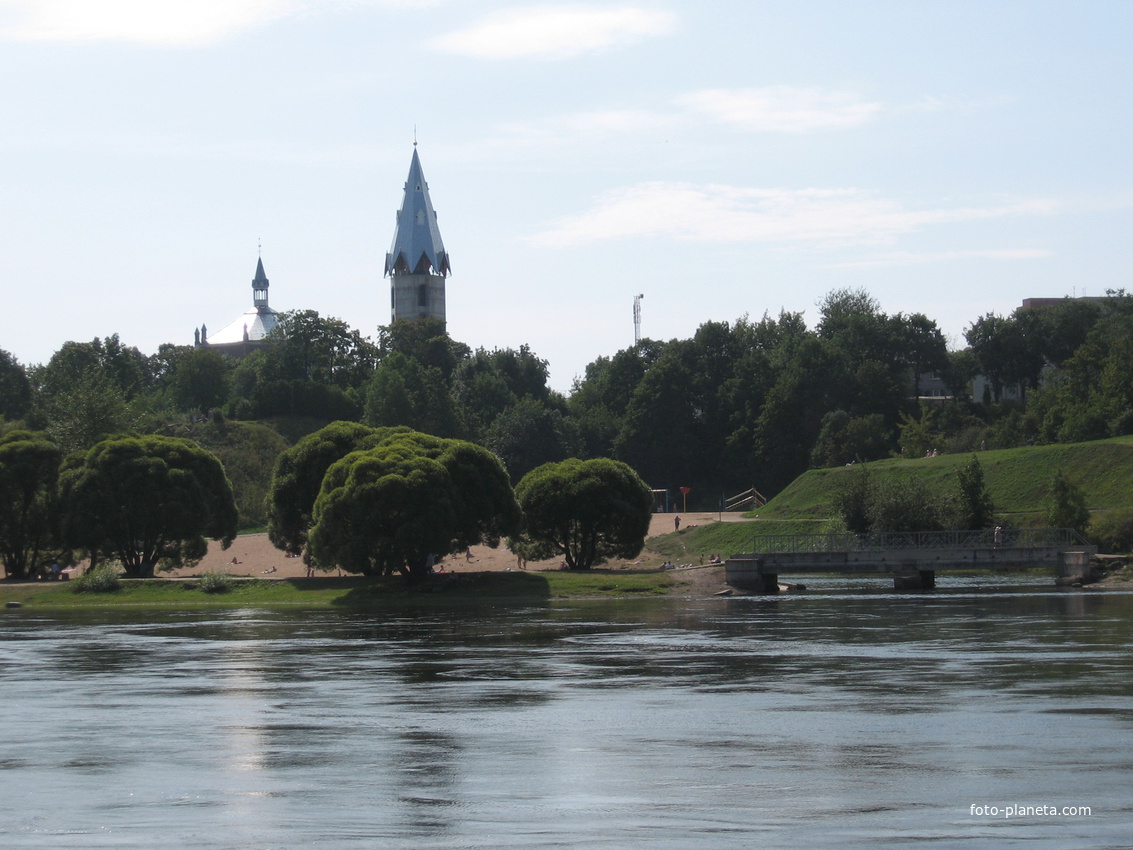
[{"x": 720, "y": 158}]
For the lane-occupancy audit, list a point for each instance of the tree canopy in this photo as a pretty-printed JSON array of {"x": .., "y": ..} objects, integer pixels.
[
  {"x": 298, "y": 476},
  {"x": 146, "y": 501},
  {"x": 15, "y": 388},
  {"x": 584, "y": 510},
  {"x": 371, "y": 531},
  {"x": 29, "y": 472}
]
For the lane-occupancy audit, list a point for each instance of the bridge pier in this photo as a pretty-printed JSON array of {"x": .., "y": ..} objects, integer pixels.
[{"x": 920, "y": 580}]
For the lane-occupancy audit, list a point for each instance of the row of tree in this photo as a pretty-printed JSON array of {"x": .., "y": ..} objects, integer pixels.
[
  {"x": 350, "y": 497},
  {"x": 738, "y": 404},
  {"x": 382, "y": 500},
  {"x": 140, "y": 501}
]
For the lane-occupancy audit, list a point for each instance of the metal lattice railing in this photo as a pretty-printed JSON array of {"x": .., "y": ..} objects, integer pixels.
[{"x": 1008, "y": 538}]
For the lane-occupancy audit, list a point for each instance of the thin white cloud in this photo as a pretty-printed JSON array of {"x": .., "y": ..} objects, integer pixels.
[
  {"x": 781, "y": 109},
  {"x": 555, "y": 32},
  {"x": 909, "y": 258},
  {"x": 717, "y": 213}
]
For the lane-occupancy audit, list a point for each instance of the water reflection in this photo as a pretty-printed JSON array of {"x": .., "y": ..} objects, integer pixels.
[{"x": 836, "y": 718}]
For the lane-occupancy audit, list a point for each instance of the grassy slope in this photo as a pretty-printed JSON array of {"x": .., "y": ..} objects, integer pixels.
[{"x": 1016, "y": 478}]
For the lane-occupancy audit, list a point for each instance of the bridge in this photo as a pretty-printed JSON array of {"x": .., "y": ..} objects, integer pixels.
[{"x": 912, "y": 558}]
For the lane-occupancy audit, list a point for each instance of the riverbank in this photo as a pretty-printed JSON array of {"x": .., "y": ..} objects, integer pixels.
[
  {"x": 258, "y": 574},
  {"x": 528, "y": 587}
]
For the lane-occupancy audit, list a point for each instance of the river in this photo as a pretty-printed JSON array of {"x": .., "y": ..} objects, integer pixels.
[{"x": 848, "y": 716}]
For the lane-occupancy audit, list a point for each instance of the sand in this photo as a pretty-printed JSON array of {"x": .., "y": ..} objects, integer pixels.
[{"x": 253, "y": 555}]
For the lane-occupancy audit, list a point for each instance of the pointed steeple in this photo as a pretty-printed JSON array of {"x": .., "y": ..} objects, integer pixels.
[
  {"x": 260, "y": 286},
  {"x": 417, "y": 246}
]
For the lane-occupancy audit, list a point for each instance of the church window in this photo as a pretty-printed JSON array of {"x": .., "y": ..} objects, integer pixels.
[{"x": 423, "y": 295}]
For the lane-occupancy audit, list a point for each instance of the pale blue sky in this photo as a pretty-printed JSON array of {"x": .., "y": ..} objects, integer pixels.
[{"x": 722, "y": 158}]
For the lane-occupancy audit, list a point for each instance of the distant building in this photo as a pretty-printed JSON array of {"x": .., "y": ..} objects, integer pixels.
[
  {"x": 247, "y": 332},
  {"x": 417, "y": 263},
  {"x": 1035, "y": 303}
]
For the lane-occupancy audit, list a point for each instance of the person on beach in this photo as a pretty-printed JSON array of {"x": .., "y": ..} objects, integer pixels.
[{"x": 677, "y": 523}]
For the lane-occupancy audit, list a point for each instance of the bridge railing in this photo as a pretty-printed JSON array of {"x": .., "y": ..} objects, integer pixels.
[{"x": 1009, "y": 538}]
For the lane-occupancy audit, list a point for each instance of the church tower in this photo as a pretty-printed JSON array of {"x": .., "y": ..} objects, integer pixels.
[
  {"x": 249, "y": 331},
  {"x": 417, "y": 263}
]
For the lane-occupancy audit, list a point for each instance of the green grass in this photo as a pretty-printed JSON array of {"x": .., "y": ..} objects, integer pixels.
[
  {"x": 352, "y": 591},
  {"x": 1016, "y": 478},
  {"x": 725, "y": 538}
]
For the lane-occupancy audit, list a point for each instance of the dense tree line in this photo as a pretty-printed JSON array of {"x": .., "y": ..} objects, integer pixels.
[
  {"x": 142, "y": 501},
  {"x": 742, "y": 403}
]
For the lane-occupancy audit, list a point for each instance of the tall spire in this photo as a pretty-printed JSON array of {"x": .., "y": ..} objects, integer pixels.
[
  {"x": 260, "y": 286},
  {"x": 417, "y": 246}
]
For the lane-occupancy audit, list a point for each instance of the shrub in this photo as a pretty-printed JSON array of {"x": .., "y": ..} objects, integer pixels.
[
  {"x": 1066, "y": 504},
  {"x": 215, "y": 583},
  {"x": 907, "y": 504},
  {"x": 853, "y": 499},
  {"x": 102, "y": 579},
  {"x": 974, "y": 508},
  {"x": 1112, "y": 531}
]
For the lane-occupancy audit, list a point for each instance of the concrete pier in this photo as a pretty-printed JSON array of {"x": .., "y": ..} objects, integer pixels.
[{"x": 913, "y": 567}]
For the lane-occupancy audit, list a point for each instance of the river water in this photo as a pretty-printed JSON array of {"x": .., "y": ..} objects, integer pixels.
[{"x": 849, "y": 716}]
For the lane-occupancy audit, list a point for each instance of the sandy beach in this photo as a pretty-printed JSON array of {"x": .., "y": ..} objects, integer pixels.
[{"x": 253, "y": 555}]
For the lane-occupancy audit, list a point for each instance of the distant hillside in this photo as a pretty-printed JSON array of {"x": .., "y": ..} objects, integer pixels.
[{"x": 1016, "y": 478}]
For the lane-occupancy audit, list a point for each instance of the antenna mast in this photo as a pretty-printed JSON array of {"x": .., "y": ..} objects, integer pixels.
[{"x": 637, "y": 319}]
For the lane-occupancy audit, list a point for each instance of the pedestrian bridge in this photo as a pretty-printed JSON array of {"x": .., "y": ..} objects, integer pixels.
[{"x": 912, "y": 558}]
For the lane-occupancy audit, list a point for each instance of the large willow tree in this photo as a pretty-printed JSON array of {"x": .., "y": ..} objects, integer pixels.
[{"x": 146, "y": 501}]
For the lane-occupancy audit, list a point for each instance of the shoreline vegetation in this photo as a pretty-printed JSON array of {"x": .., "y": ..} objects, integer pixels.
[
  {"x": 253, "y": 573},
  {"x": 363, "y": 592}
]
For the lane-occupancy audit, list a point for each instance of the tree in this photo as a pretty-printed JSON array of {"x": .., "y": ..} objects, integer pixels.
[
  {"x": 489, "y": 382},
  {"x": 146, "y": 501},
  {"x": 585, "y": 510},
  {"x": 15, "y": 389},
  {"x": 1066, "y": 504},
  {"x": 305, "y": 346},
  {"x": 382, "y": 511},
  {"x": 974, "y": 508},
  {"x": 424, "y": 340},
  {"x": 853, "y": 497},
  {"x": 298, "y": 477},
  {"x": 897, "y": 503},
  {"x": 403, "y": 392},
  {"x": 1009, "y": 350},
  {"x": 198, "y": 379},
  {"x": 85, "y": 411},
  {"x": 844, "y": 440},
  {"x": 598, "y": 402},
  {"x": 528, "y": 434},
  {"x": 923, "y": 347},
  {"x": 485, "y": 508},
  {"x": 29, "y": 472},
  {"x": 907, "y": 504},
  {"x": 124, "y": 367},
  {"x": 407, "y": 499}
]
